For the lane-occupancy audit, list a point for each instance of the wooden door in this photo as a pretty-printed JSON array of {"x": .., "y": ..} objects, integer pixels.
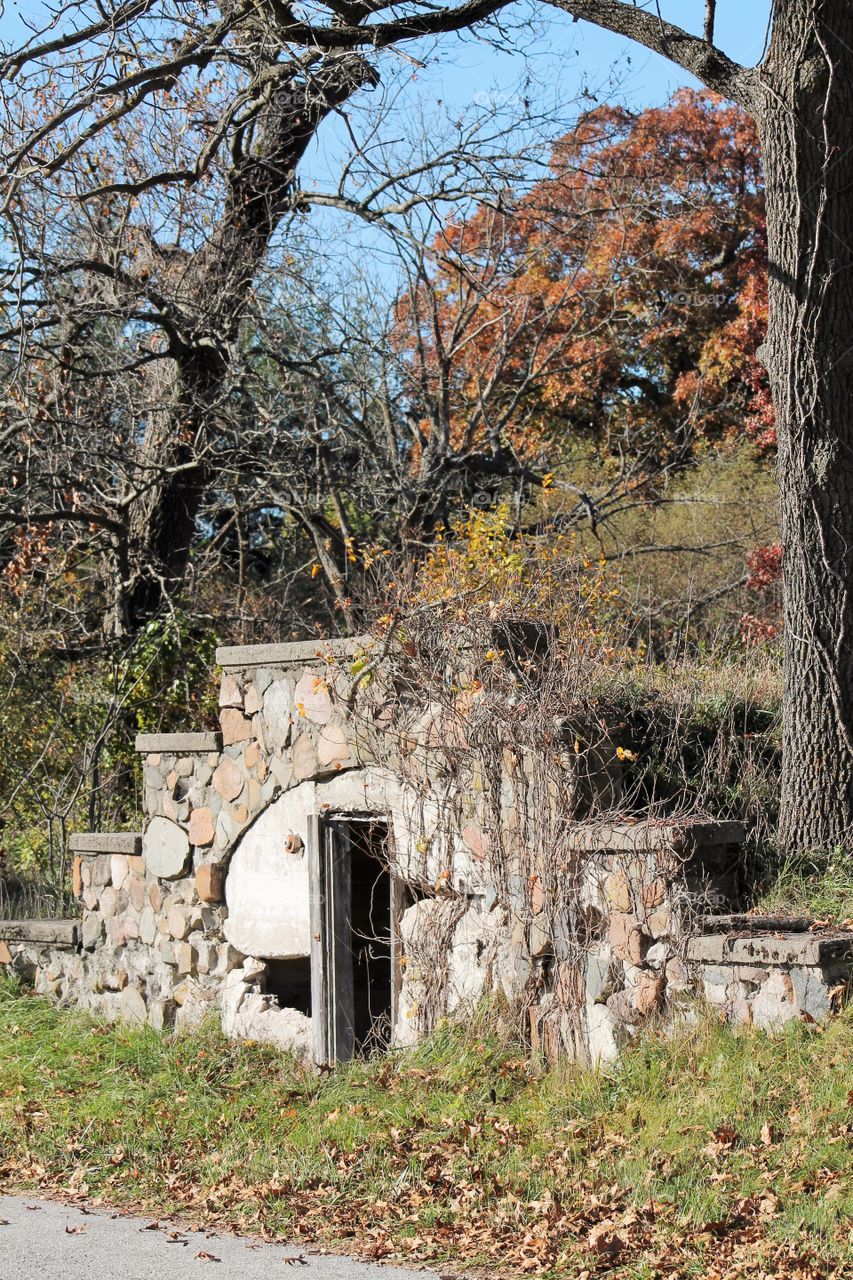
[{"x": 331, "y": 941}]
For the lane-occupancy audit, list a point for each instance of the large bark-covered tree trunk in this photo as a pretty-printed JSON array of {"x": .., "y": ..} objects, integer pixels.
[
  {"x": 807, "y": 128},
  {"x": 208, "y": 305},
  {"x": 802, "y": 100}
]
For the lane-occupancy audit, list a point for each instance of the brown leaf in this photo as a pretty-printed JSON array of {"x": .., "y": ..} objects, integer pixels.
[
  {"x": 203, "y": 1256},
  {"x": 604, "y": 1241}
]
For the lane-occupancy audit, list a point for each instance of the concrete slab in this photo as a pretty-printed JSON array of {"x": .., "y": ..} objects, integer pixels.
[
  {"x": 96, "y": 842},
  {"x": 295, "y": 653},
  {"x": 177, "y": 744}
]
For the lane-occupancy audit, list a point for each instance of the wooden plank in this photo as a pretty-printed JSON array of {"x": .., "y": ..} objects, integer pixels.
[
  {"x": 339, "y": 957},
  {"x": 399, "y": 902},
  {"x": 319, "y": 978}
]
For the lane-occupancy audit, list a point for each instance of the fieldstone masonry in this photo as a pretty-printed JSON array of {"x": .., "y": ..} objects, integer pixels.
[{"x": 188, "y": 916}]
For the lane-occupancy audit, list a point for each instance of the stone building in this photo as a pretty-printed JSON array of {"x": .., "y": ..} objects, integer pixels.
[{"x": 353, "y": 856}]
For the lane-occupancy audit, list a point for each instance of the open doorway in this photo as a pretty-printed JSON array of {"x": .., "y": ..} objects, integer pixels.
[{"x": 355, "y": 952}]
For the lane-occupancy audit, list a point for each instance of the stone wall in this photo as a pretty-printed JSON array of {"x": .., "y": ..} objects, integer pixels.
[{"x": 582, "y": 929}]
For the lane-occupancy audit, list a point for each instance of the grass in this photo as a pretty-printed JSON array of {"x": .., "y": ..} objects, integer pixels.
[
  {"x": 819, "y": 885},
  {"x": 711, "y": 1154}
]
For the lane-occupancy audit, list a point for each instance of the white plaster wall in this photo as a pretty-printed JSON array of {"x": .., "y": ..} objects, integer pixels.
[{"x": 267, "y": 890}]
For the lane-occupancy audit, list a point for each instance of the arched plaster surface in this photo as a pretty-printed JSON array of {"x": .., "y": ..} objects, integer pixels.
[{"x": 267, "y": 889}]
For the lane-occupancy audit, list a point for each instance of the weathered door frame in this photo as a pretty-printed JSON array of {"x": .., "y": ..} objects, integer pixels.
[{"x": 332, "y": 994}]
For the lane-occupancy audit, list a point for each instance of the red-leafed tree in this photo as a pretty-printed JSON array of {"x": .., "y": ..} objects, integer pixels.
[{"x": 623, "y": 297}]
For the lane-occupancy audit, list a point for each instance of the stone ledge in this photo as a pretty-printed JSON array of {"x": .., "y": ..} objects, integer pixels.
[
  {"x": 177, "y": 744},
  {"x": 811, "y": 949},
  {"x": 295, "y": 653},
  {"x": 90, "y": 843},
  {"x": 53, "y": 933},
  {"x": 755, "y": 924},
  {"x": 646, "y": 837}
]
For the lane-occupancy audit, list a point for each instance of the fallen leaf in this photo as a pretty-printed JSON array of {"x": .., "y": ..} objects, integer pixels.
[{"x": 202, "y": 1256}]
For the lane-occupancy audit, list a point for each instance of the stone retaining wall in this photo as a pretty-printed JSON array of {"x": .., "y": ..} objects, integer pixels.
[{"x": 584, "y": 927}]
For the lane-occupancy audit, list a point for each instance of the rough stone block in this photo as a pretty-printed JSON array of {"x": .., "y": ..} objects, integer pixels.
[
  {"x": 627, "y": 939},
  {"x": 134, "y": 887},
  {"x": 5, "y": 954},
  {"x": 253, "y": 700},
  {"x": 776, "y": 1002},
  {"x": 201, "y": 830},
  {"x": 648, "y": 994},
  {"x": 207, "y": 956},
  {"x": 235, "y": 726},
  {"x": 605, "y": 1037},
  {"x": 161, "y": 1014},
  {"x": 229, "y": 692},
  {"x": 282, "y": 771},
  {"x": 109, "y": 899},
  {"x": 186, "y": 957},
  {"x": 617, "y": 891},
  {"x": 278, "y": 714},
  {"x": 99, "y": 871},
  {"x": 305, "y": 762},
  {"x": 148, "y": 926},
  {"x": 228, "y": 779},
  {"x": 598, "y": 975},
  {"x": 118, "y": 869},
  {"x": 333, "y": 748},
  {"x": 116, "y": 935},
  {"x": 92, "y": 930},
  {"x": 77, "y": 876},
  {"x": 132, "y": 1007},
  {"x": 210, "y": 882},
  {"x": 178, "y": 923},
  {"x": 166, "y": 849}
]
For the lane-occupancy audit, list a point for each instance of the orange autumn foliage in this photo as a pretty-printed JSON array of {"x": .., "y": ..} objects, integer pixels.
[{"x": 621, "y": 298}]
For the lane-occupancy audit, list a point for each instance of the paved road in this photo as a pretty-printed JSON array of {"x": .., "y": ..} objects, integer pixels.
[{"x": 45, "y": 1240}]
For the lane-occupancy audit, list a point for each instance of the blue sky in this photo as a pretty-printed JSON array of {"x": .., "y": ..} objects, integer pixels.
[
  {"x": 460, "y": 71},
  {"x": 586, "y": 50}
]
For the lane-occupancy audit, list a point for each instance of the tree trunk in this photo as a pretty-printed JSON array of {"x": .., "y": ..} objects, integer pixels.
[
  {"x": 210, "y": 299},
  {"x": 806, "y": 126}
]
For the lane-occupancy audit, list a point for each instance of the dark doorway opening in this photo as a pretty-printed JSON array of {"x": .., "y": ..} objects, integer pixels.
[
  {"x": 290, "y": 982},
  {"x": 370, "y": 904},
  {"x": 355, "y": 951}
]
